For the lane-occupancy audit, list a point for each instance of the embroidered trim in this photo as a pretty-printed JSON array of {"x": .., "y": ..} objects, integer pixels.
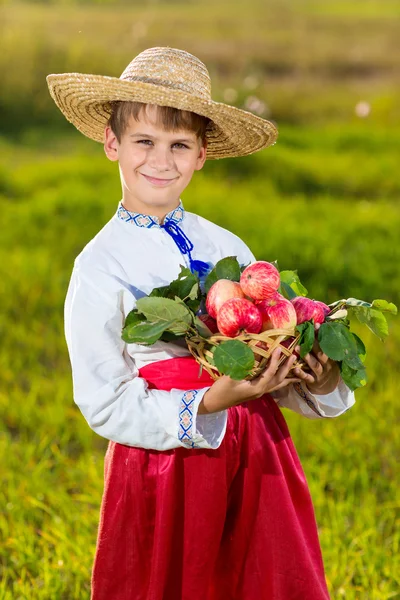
[
  {"x": 149, "y": 221},
  {"x": 297, "y": 386},
  {"x": 185, "y": 433}
]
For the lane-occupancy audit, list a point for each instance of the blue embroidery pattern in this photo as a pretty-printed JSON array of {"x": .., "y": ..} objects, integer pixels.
[
  {"x": 185, "y": 433},
  {"x": 148, "y": 221},
  {"x": 171, "y": 227},
  {"x": 185, "y": 246},
  {"x": 306, "y": 397}
]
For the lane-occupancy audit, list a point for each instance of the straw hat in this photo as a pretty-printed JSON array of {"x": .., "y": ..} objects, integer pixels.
[{"x": 166, "y": 77}]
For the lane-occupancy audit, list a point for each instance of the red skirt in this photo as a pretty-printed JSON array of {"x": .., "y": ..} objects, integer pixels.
[{"x": 234, "y": 523}]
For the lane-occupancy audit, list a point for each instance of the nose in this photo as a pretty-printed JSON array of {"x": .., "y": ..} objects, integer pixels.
[{"x": 161, "y": 158}]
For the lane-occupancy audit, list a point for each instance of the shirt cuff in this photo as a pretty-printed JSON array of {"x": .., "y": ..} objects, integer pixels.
[
  {"x": 199, "y": 431},
  {"x": 329, "y": 405}
]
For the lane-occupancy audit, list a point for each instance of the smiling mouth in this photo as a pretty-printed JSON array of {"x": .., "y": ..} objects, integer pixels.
[{"x": 157, "y": 181}]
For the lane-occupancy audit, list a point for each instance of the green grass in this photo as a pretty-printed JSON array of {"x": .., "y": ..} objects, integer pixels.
[
  {"x": 342, "y": 236},
  {"x": 308, "y": 62}
]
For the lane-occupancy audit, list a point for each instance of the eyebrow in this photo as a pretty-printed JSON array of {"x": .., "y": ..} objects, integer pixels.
[{"x": 150, "y": 137}]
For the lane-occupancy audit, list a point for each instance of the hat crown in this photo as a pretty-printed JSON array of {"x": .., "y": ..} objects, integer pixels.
[{"x": 171, "y": 68}]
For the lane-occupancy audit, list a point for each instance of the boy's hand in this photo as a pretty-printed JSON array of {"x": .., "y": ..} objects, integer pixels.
[
  {"x": 325, "y": 372},
  {"x": 227, "y": 392}
]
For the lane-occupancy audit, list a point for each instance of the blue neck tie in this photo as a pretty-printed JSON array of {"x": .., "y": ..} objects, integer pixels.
[{"x": 185, "y": 246}]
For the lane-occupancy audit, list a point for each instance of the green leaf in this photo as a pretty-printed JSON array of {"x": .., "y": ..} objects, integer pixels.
[
  {"x": 306, "y": 341},
  {"x": 193, "y": 305},
  {"x": 185, "y": 286},
  {"x": 210, "y": 280},
  {"x": 385, "y": 306},
  {"x": 292, "y": 279},
  {"x": 226, "y": 268},
  {"x": 164, "y": 309},
  {"x": 361, "y": 350},
  {"x": 275, "y": 263},
  {"x": 160, "y": 292},
  {"x": 145, "y": 333},
  {"x": 194, "y": 292},
  {"x": 234, "y": 358},
  {"x": 334, "y": 339},
  {"x": 210, "y": 359},
  {"x": 373, "y": 319},
  {"x": 352, "y": 359},
  {"x": 287, "y": 291},
  {"x": 353, "y": 378},
  {"x": 167, "y": 336},
  {"x": 202, "y": 328},
  {"x": 133, "y": 317}
]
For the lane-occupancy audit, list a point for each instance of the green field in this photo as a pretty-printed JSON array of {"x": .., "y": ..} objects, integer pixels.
[{"x": 323, "y": 200}]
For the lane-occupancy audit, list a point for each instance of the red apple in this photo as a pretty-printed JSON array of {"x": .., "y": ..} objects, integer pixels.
[
  {"x": 307, "y": 309},
  {"x": 277, "y": 313},
  {"x": 237, "y": 315},
  {"x": 260, "y": 280},
  {"x": 209, "y": 322},
  {"x": 324, "y": 307},
  {"x": 221, "y": 291}
]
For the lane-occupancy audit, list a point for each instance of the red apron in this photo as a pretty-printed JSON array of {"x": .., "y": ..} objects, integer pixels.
[{"x": 234, "y": 523}]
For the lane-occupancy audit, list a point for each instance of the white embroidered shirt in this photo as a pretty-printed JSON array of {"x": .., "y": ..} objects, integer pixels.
[{"x": 126, "y": 259}]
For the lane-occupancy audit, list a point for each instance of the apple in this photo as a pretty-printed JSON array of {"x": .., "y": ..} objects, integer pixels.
[
  {"x": 260, "y": 280},
  {"x": 307, "y": 309},
  {"x": 277, "y": 313},
  {"x": 221, "y": 291},
  {"x": 238, "y": 315},
  {"x": 209, "y": 322},
  {"x": 325, "y": 307}
]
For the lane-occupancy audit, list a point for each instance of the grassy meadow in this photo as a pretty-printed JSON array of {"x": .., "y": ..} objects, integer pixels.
[{"x": 324, "y": 199}]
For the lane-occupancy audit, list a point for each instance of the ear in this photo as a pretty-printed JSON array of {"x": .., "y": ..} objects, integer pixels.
[
  {"x": 110, "y": 144},
  {"x": 201, "y": 159}
]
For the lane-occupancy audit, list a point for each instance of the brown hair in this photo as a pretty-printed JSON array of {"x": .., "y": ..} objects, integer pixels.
[{"x": 168, "y": 117}]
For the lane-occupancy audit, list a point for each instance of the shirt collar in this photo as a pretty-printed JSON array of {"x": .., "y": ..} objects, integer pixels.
[{"x": 177, "y": 215}]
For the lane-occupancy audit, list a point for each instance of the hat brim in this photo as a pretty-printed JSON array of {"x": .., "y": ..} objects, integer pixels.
[{"x": 85, "y": 102}]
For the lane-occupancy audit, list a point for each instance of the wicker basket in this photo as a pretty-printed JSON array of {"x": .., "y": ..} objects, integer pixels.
[{"x": 200, "y": 348}]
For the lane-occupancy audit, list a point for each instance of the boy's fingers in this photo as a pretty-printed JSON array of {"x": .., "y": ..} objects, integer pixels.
[
  {"x": 285, "y": 368},
  {"x": 323, "y": 358},
  {"x": 304, "y": 376},
  {"x": 314, "y": 364},
  {"x": 286, "y": 382},
  {"x": 273, "y": 363},
  {"x": 272, "y": 368}
]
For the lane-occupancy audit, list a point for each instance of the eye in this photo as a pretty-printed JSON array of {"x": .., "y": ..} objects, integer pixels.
[
  {"x": 181, "y": 145},
  {"x": 145, "y": 142}
]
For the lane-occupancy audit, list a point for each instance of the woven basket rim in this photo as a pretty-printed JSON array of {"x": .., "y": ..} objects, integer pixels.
[{"x": 199, "y": 348}]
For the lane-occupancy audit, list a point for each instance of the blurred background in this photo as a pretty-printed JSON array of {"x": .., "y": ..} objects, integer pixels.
[{"x": 324, "y": 200}]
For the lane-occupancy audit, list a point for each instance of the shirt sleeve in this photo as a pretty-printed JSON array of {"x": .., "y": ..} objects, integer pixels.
[
  {"x": 298, "y": 398},
  {"x": 115, "y": 401}
]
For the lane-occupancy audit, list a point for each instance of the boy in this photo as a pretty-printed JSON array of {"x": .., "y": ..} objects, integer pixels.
[{"x": 204, "y": 495}]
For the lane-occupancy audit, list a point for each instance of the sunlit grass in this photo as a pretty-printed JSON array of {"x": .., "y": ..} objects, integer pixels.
[{"x": 307, "y": 62}]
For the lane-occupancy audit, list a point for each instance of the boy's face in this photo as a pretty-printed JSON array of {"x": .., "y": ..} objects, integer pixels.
[{"x": 155, "y": 165}]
